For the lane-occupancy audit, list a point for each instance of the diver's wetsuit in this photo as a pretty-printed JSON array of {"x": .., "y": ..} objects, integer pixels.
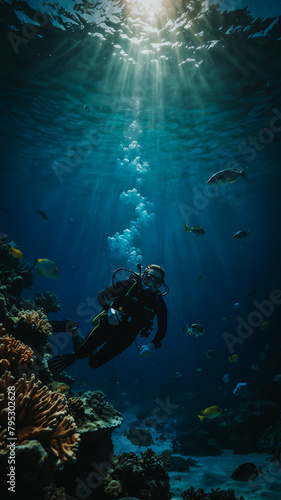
[{"x": 137, "y": 307}]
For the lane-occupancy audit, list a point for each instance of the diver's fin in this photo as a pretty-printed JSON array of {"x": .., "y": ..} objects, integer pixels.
[
  {"x": 63, "y": 325},
  {"x": 57, "y": 364}
]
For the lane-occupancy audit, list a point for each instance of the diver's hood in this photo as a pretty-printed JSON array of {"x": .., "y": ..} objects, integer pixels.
[{"x": 138, "y": 277}]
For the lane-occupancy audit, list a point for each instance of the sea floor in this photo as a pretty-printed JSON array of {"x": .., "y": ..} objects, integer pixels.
[{"x": 210, "y": 471}]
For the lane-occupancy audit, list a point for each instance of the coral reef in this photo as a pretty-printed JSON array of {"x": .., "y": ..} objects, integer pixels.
[
  {"x": 75, "y": 407},
  {"x": 217, "y": 494},
  {"x": 98, "y": 414},
  {"x": 144, "y": 477},
  {"x": 40, "y": 414},
  {"x": 270, "y": 441},
  {"x": 13, "y": 354},
  {"x": 48, "y": 302},
  {"x": 15, "y": 273},
  {"x": 35, "y": 322},
  {"x": 51, "y": 492},
  {"x": 242, "y": 429}
]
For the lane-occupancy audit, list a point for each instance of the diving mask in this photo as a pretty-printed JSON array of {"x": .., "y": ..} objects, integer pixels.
[{"x": 153, "y": 277}]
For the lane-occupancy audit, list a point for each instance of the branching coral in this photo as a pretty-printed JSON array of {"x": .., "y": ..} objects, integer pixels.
[
  {"x": 64, "y": 440},
  {"x": 36, "y": 322},
  {"x": 47, "y": 301},
  {"x": 13, "y": 353},
  {"x": 40, "y": 414},
  {"x": 3, "y": 442}
]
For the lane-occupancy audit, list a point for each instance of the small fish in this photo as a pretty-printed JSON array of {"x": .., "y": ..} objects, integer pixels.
[
  {"x": 241, "y": 234},
  {"x": 264, "y": 325},
  {"x": 139, "y": 437},
  {"x": 42, "y": 214},
  {"x": 199, "y": 277},
  {"x": 236, "y": 305},
  {"x": 233, "y": 359},
  {"x": 224, "y": 318},
  {"x": 176, "y": 375},
  {"x": 240, "y": 387},
  {"x": 210, "y": 353},
  {"x": 199, "y": 369},
  {"x": 211, "y": 412},
  {"x": 227, "y": 176},
  {"x": 86, "y": 108},
  {"x": 226, "y": 378},
  {"x": 246, "y": 472},
  {"x": 59, "y": 386},
  {"x": 197, "y": 230},
  {"x": 15, "y": 252},
  {"x": 195, "y": 329},
  {"x": 255, "y": 368},
  {"x": 46, "y": 268}
]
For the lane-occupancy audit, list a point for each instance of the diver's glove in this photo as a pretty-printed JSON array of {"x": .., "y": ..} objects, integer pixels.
[
  {"x": 113, "y": 316},
  {"x": 146, "y": 350}
]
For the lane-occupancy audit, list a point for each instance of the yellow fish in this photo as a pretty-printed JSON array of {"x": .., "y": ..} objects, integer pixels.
[
  {"x": 197, "y": 230},
  {"x": 15, "y": 253},
  {"x": 233, "y": 359},
  {"x": 211, "y": 412},
  {"x": 63, "y": 388},
  {"x": 59, "y": 386},
  {"x": 46, "y": 268}
]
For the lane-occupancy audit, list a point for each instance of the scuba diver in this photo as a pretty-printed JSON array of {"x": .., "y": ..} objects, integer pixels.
[{"x": 128, "y": 309}]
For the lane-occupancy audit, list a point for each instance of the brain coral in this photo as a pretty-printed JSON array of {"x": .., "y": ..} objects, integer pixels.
[{"x": 40, "y": 414}]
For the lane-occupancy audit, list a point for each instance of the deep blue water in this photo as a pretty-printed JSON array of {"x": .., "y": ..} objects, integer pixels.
[{"x": 113, "y": 119}]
